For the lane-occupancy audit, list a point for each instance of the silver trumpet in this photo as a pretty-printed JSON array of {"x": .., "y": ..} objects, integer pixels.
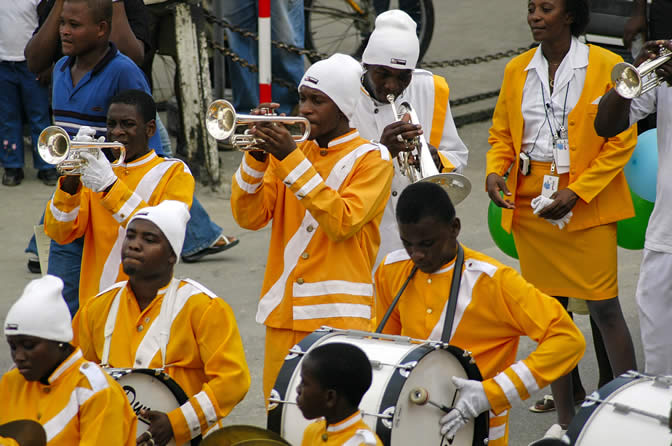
[
  {"x": 55, "y": 147},
  {"x": 222, "y": 121},
  {"x": 630, "y": 81},
  {"x": 456, "y": 185}
]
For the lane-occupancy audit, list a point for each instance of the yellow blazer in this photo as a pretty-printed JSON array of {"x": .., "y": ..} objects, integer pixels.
[{"x": 596, "y": 163}]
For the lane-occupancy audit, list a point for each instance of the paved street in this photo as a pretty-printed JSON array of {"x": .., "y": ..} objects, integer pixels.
[{"x": 463, "y": 29}]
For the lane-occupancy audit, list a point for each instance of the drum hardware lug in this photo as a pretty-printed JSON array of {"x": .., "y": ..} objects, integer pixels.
[
  {"x": 486, "y": 441},
  {"x": 662, "y": 381},
  {"x": 405, "y": 369},
  {"x": 376, "y": 364},
  {"x": 274, "y": 400},
  {"x": 294, "y": 352},
  {"x": 386, "y": 417}
]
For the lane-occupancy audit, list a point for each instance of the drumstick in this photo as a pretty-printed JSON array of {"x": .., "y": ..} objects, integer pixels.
[{"x": 420, "y": 396}]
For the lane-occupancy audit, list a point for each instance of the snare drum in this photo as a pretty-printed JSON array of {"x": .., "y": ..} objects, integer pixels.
[
  {"x": 150, "y": 390},
  {"x": 400, "y": 366},
  {"x": 632, "y": 409}
]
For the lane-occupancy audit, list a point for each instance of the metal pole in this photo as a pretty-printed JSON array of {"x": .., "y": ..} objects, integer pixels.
[{"x": 264, "y": 50}]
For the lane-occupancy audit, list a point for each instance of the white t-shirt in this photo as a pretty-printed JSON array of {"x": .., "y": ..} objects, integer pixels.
[
  {"x": 370, "y": 119},
  {"x": 539, "y": 106},
  {"x": 659, "y": 231},
  {"x": 18, "y": 21}
]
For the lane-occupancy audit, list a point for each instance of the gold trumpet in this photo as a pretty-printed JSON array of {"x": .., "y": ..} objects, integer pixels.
[
  {"x": 55, "y": 147},
  {"x": 222, "y": 122},
  {"x": 418, "y": 164},
  {"x": 631, "y": 82}
]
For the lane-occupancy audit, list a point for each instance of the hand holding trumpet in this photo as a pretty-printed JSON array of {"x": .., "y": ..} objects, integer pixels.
[
  {"x": 276, "y": 138},
  {"x": 397, "y": 136},
  {"x": 652, "y": 50}
]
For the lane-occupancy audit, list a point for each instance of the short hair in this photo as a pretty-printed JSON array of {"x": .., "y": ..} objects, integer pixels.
[
  {"x": 344, "y": 368},
  {"x": 142, "y": 101},
  {"x": 424, "y": 199},
  {"x": 101, "y": 10},
  {"x": 580, "y": 11}
]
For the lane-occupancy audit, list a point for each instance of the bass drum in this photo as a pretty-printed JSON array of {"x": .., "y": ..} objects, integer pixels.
[
  {"x": 401, "y": 367},
  {"x": 632, "y": 409},
  {"x": 150, "y": 389}
]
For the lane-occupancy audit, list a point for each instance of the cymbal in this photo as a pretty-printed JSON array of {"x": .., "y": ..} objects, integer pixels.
[
  {"x": 457, "y": 186},
  {"x": 25, "y": 432},
  {"x": 243, "y": 435}
]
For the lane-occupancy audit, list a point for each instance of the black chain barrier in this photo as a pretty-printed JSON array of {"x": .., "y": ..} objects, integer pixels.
[{"x": 460, "y": 121}]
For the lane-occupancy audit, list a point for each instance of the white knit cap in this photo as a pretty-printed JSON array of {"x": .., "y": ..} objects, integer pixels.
[
  {"x": 339, "y": 78},
  {"x": 41, "y": 311},
  {"x": 393, "y": 42},
  {"x": 171, "y": 217}
]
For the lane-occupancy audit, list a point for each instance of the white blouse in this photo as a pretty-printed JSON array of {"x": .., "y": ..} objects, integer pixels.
[{"x": 539, "y": 108}]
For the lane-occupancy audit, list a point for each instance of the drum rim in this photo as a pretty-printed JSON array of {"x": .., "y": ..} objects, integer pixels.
[
  {"x": 160, "y": 375},
  {"x": 586, "y": 412},
  {"x": 397, "y": 381}
]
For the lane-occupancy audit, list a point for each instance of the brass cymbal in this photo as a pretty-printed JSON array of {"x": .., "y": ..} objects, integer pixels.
[{"x": 243, "y": 435}]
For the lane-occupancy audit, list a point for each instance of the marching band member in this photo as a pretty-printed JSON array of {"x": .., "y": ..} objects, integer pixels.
[
  {"x": 495, "y": 306},
  {"x": 75, "y": 401},
  {"x": 390, "y": 60},
  {"x": 565, "y": 189},
  {"x": 332, "y": 391},
  {"x": 156, "y": 321},
  {"x": 614, "y": 115},
  {"x": 325, "y": 198},
  {"x": 99, "y": 204}
]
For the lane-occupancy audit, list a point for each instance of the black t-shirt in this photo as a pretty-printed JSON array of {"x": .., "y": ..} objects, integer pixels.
[{"x": 136, "y": 11}]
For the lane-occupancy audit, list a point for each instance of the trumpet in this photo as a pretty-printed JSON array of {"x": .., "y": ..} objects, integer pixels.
[
  {"x": 55, "y": 147},
  {"x": 418, "y": 165},
  {"x": 222, "y": 122},
  {"x": 631, "y": 82}
]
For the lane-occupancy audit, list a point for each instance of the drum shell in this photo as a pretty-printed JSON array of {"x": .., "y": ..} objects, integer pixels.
[
  {"x": 598, "y": 423},
  {"x": 159, "y": 392},
  {"x": 389, "y": 390}
]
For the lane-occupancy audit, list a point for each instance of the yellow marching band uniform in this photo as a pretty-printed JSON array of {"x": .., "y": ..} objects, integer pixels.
[{"x": 325, "y": 205}]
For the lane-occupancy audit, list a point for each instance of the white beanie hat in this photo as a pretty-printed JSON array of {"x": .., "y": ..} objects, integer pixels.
[
  {"x": 41, "y": 311},
  {"x": 393, "y": 42},
  {"x": 339, "y": 78},
  {"x": 171, "y": 217}
]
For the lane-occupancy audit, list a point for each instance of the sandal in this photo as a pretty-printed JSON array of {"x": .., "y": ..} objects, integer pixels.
[
  {"x": 547, "y": 404},
  {"x": 221, "y": 244}
]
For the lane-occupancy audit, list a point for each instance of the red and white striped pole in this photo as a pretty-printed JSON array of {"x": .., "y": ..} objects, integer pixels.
[{"x": 265, "y": 51}]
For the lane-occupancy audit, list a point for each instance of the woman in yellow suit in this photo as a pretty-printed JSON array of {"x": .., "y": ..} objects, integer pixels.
[{"x": 565, "y": 189}]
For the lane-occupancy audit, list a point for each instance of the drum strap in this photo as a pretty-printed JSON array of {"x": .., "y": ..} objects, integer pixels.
[
  {"x": 110, "y": 322},
  {"x": 452, "y": 298},
  {"x": 388, "y": 313}
]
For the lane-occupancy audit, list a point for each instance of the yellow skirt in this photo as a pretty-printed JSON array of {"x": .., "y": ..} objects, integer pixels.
[{"x": 580, "y": 264}]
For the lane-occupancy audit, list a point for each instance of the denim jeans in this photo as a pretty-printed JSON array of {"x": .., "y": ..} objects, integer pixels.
[
  {"x": 65, "y": 261},
  {"x": 21, "y": 95},
  {"x": 287, "y": 25}
]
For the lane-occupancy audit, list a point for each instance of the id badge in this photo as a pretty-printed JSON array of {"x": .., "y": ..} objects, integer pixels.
[
  {"x": 561, "y": 152},
  {"x": 550, "y": 185}
]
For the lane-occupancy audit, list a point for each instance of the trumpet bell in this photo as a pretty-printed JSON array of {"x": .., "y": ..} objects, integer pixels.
[
  {"x": 627, "y": 80},
  {"x": 457, "y": 186},
  {"x": 220, "y": 119},
  {"x": 53, "y": 144}
]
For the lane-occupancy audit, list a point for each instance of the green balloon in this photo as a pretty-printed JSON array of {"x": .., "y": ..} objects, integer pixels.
[
  {"x": 502, "y": 239},
  {"x": 631, "y": 232}
]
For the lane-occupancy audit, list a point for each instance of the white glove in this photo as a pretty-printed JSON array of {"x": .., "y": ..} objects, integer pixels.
[
  {"x": 97, "y": 174},
  {"x": 471, "y": 403},
  {"x": 539, "y": 204},
  {"x": 85, "y": 134}
]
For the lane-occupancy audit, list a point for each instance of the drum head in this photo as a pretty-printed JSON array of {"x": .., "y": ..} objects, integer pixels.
[
  {"x": 150, "y": 389},
  {"x": 431, "y": 373},
  {"x": 243, "y": 435},
  {"x": 603, "y": 423}
]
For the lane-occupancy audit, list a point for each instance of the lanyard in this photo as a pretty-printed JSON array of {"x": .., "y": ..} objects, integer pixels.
[{"x": 550, "y": 105}]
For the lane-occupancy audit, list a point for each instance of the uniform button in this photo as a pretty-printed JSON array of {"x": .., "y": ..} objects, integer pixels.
[
  {"x": 39, "y": 416},
  {"x": 287, "y": 183},
  {"x": 571, "y": 122},
  {"x": 305, "y": 255},
  {"x": 123, "y": 216},
  {"x": 375, "y": 110},
  {"x": 146, "y": 320},
  {"x": 429, "y": 311},
  {"x": 140, "y": 328},
  {"x": 323, "y": 152},
  {"x": 85, "y": 365},
  {"x": 572, "y": 148},
  {"x": 138, "y": 362},
  {"x": 394, "y": 193},
  {"x": 47, "y": 389},
  {"x": 310, "y": 228},
  {"x": 429, "y": 280},
  {"x": 299, "y": 281},
  {"x": 573, "y": 172}
]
